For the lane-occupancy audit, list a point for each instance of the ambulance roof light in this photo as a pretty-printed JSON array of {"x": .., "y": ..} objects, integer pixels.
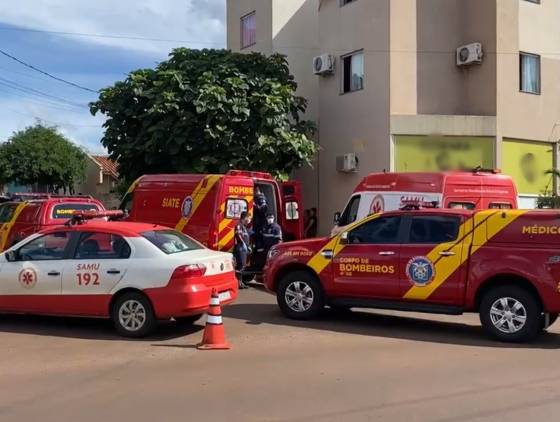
[
  {"x": 246, "y": 173},
  {"x": 80, "y": 217},
  {"x": 416, "y": 205}
]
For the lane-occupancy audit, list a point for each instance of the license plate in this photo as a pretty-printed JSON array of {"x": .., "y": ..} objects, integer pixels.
[{"x": 224, "y": 296}]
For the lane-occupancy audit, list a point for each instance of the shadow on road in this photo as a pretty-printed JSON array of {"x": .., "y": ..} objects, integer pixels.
[
  {"x": 388, "y": 326},
  {"x": 87, "y": 329}
]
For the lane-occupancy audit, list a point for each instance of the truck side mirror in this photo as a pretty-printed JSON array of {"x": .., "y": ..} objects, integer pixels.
[
  {"x": 344, "y": 238},
  {"x": 336, "y": 217}
]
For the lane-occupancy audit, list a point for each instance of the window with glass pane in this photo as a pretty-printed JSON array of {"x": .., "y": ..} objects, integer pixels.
[
  {"x": 530, "y": 73},
  {"x": 248, "y": 30},
  {"x": 353, "y": 72},
  {"x": 48, "y": 247},
  {"x": 383, "y": 230}
]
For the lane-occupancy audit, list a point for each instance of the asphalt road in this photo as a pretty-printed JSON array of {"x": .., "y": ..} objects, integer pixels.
[{"x": 355, "y": 367}]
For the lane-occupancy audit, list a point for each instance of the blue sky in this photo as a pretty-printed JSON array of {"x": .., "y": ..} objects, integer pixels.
[{"x": 93, "y": 62}]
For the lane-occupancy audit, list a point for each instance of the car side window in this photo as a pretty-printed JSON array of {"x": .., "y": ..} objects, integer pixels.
[
  {"x": 432, "y": 229},
  {"x": 7, "y": 212},
  {"x": 102, "y": 246},
  {"x": 350, "y": 213},
  {"x": 383, "y": 230},
  {"x": 45, "y": 248}
]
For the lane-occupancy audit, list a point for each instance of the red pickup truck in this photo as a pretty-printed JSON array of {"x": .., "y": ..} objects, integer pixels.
[{"x": 503, "y": 264}]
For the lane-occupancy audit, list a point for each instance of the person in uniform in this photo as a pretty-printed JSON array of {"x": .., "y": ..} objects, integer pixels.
[
  {"x": 260, "y": 210},
  {"x": 272, "y": 233},
  {"x": 241, "y": 247}
]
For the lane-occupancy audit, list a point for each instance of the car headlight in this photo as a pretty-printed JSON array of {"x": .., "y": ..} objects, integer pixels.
[{"x": 272, "y": 253}]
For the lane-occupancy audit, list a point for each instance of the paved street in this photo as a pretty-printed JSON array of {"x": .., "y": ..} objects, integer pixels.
[{"x": 361, "y": 366}]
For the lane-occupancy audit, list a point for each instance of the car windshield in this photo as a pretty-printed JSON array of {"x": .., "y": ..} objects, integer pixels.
[{"x": 171, "y": 241}]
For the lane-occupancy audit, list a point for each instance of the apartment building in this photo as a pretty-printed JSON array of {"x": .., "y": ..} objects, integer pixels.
[{"x": 401, "y": 96}]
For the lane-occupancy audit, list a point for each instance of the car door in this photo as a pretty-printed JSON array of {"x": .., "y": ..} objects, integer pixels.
[
  {"x": 430, "y": 261},
  {"x": 31, "y": 280},
  {"x": 367, "y": 266},
  {"x": 98, "y": 263}
]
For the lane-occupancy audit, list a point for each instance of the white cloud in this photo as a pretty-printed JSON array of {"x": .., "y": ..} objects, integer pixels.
[
  {"x": 78, "y": 126},
  {"x": 199, "y": 21}
]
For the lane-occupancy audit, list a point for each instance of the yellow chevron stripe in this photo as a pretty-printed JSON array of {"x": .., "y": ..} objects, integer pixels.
[
  {"x": 225, "y": 240},
  {"x": 198, "y": 195},
  {"x": 7, "y": 227},
  {"x": 495, "y": 222},
  {"x": 318, "y": 262}
]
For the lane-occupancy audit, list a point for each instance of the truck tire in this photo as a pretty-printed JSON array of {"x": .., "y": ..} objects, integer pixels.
[
  {"x": 300, "y": 296},
  {"x": 132, "y": 315},
  {"x": 511, "y": 314}
]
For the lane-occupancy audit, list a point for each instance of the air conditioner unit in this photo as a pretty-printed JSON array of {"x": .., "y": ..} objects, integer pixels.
[
  {"x": 469, "y": 54},
  {"x": 323, "y": 64},
  {"x": 347, "y": 163}
]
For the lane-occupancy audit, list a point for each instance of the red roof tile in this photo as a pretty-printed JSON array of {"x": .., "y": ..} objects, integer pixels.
[{"x": 107, "y": 165}]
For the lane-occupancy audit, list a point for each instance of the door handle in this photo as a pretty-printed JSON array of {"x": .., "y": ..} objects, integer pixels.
[
  {"x": 327, "y": 254},
  {"x": 53, "y": 273},
  {"x": 447, "y": 253},
  {"x": 113, "y": 272},
  {"x": 387, "y": 253}
]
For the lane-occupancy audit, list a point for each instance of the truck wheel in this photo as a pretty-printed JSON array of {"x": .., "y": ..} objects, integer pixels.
[
  {"x": 133, "y": 315},
  {"x": 511, "y": 314},
  {"x": 300, "y": 295}
]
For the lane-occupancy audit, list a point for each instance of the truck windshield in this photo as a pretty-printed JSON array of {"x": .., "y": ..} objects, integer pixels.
[
  {"x": 171, "y": 241},
  {"x": 350, "y": 213}
]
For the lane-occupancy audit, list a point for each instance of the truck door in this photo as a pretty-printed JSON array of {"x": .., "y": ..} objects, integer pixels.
[
  {"x": 430, "y": 260},
  {"x": 291, "y": 219},
  {"x": 235, "y": 198},
  {"x": 367, "y": 266}
]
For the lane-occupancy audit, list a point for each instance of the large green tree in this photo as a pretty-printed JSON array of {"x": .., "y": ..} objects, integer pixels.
[
  {"x": 207, "y": 111},
  {"x": 39, "y": 155}
]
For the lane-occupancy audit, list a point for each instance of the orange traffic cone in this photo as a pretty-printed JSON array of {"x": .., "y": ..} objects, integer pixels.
[{"x": 214, "y": 337}]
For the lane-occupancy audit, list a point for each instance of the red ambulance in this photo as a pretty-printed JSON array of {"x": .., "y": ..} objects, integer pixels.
[
  {"x": 377, "y": 192},
  {"x": 207, "y": 207}
]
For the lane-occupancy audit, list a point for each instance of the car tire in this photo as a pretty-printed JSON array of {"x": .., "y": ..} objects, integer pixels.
[
  {"x": 511, "y": 314},
  {"x": 300, "y": 296},
  {"x": 133, "y": 315},
  {"x": 188, "y": 320}
]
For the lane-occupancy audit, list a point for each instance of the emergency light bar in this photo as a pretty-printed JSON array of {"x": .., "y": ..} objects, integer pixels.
[
  {"x": 32, "y": 195},
  {"x": 79, "y": 217},
  {"x": 253, "y": 174},
  {"x": 417, "y": 205}
]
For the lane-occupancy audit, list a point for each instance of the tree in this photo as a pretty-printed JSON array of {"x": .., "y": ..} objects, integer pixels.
[
  {"x": 39, "y": 155},
  {"x": 207, "y": 111},
  {"x": 549, "y": 198}
]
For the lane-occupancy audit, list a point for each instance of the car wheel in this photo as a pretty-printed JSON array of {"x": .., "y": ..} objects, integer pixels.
[
  {"x": 511, "y": 314},
  {"x": 133, "y": 315},
  {"x": 188, "y": 320},
  {"x": 300, "y": 295}
]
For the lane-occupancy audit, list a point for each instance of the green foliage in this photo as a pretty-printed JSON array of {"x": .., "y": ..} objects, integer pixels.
[
  {"x": 40, "y": 155},
  {"x": 549, "y": 199},
  {"x": 207, "y": 112}
]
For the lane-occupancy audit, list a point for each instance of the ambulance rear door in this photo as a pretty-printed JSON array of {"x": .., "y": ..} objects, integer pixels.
[
  {"x": 291, "y": 216},
  {"x": 235, "y": 197}
]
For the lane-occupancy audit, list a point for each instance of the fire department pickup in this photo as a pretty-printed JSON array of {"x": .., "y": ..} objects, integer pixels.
[
  {"x": 503, "y": 264},
  {"x": 133, "y": 273}
]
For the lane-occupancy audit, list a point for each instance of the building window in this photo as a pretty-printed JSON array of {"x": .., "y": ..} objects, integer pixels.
[
  {"x": 353, "y": 72},
  {"x": 530, "y": 73},
  {"x": 248, "y": 30}
]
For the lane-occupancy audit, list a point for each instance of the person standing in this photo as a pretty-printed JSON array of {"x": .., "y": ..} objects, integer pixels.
[
  {"x": 311, "y": 227},
  {"x": 272, "y": 233},
  {"x": 260, "y": 210},
  {"x": 241, "y": 248}
]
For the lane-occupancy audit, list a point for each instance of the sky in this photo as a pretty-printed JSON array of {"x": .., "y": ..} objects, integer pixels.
[{"x": 30, "y": 30}]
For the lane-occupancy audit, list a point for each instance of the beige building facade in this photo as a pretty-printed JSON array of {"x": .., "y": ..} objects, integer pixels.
[{"x": 397, "y": 98}]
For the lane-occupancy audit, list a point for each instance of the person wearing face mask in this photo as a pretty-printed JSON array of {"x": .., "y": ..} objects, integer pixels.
[
  {"x": 272, "y": 233},
  {"x": 242, "y": 248}
]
